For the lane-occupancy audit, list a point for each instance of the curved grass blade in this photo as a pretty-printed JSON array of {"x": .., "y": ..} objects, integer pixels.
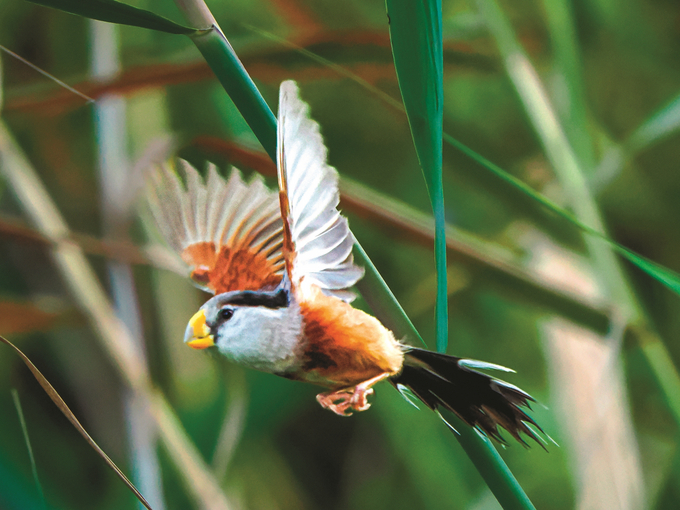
[
  {"x": 117, "y": 12},
  {"x": 24, "y": 429},
  {"x": 52, "y": 393},
  {"x": 416, "y": 38}
]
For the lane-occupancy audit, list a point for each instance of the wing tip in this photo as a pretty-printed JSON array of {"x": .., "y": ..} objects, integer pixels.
[{"x": 288, "y": 87}]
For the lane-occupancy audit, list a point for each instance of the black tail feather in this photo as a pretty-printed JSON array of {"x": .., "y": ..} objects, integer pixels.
[{"x": 479, "y": 400}]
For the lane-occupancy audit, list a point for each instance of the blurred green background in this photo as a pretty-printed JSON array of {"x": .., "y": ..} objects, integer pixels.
[{"x": 525, "y": 289}]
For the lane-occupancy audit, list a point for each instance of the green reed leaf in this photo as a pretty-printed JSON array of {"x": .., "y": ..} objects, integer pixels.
[
  {"x": 117, "y": 12},
  {"x": 661, "y": 273},
  {"x": 416, "y": 37},
  {"x": 489, "y": 463}
]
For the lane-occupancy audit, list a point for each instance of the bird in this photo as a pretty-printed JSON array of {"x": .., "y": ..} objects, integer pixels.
[{"x": 280, "y": 266}]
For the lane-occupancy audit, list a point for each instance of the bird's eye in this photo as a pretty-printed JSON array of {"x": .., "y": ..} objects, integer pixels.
[{"x": 225, "y": 314}]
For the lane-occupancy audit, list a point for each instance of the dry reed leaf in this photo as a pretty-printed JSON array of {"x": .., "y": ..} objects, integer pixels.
[
  {"x": 23, "y": 317},
  {"x": 592, "y": 401},
  {"x": 59, "y": 402}
]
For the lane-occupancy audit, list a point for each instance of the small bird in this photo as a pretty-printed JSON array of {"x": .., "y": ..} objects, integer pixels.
[{"x": 281, "y": 266}]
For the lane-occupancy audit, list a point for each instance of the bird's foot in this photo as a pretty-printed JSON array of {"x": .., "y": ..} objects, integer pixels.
[
  {"x": 347, "y": 400},
  {"x": 344, "y": 402}
]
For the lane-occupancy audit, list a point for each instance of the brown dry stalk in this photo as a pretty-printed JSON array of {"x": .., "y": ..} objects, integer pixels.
[
  {"x": 122, "y": 251},
  {"x": 261, "y": 65}
]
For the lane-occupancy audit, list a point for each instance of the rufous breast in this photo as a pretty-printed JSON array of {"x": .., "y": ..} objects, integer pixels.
[{"x": 343, "y": 346}]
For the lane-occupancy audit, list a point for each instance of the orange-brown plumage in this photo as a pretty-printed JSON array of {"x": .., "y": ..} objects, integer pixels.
[
  {"x": 230, "y": 269},
  {"x": 343, "y": 345}
]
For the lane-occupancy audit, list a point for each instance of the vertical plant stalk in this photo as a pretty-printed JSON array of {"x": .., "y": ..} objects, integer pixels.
[
  {"x": 495, "y": 472},
  {"x": 114, "y": 170},
  {"x": 416, "y": 38},
  {"x": 559, "y": 152},
  {"x": 114, "y": 335},
  {"x": 227, "y": 67},
  {"x": 568, "y": 76}
]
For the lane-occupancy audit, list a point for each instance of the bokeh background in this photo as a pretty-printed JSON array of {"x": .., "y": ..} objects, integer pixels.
[{"x": 593, "y": 339}]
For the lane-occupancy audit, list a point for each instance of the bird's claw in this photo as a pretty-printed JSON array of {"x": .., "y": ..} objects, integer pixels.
[{"x": 344, "y": 402}]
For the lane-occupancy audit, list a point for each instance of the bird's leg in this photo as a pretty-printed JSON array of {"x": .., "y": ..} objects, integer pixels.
[{"x": 347, "y": 400}]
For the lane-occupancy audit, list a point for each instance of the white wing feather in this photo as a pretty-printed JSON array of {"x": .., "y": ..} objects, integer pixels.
[{"x": 321, "y": 236}]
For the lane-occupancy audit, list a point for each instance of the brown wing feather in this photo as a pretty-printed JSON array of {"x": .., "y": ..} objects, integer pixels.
[
  {"x": 230, "y": 269},
  {"x": 228, "y": 232}
]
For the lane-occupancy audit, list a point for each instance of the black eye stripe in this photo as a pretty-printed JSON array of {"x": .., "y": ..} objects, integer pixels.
[{"x": 274, "y": 300}]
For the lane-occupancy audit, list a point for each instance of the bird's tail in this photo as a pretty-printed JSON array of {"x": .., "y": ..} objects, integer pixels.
[{"x": 479, "y": 400}]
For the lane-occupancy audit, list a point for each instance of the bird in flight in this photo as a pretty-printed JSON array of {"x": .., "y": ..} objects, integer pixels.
[{"x": 280, "y": 267}]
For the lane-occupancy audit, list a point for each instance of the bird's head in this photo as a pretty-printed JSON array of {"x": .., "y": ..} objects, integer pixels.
[{"x": 256, "y": 328}]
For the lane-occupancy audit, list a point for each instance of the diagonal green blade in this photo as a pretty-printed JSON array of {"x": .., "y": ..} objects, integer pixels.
[
  {"x": 661, "y": 273},
  {"x": 117, "y": 12},
  {"x": 662, "y": 124},
  {"x": 416, "y": 38}
]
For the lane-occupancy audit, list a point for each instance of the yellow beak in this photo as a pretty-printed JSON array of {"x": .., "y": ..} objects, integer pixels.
[{"x": 198, "y": 333}]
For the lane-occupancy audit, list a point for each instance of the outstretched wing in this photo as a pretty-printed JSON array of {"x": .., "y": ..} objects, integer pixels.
[
  {"x": 229, "y": 232},
  {"x": 317, "y": 240}
]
